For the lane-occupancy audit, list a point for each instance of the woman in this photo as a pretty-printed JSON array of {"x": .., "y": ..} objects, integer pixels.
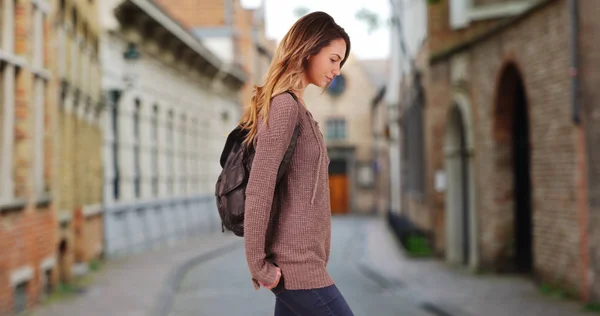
[{"x": 294, "y": 265}]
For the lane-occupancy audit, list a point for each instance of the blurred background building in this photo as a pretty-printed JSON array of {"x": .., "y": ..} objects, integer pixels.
[
  {"x": 171, "y": 102},
  {"x": 77, "y": 76},
  {"x": 346, "y": 120},
  {"x": 28, "y": 100},
  {"x": 506, "y": 157}
]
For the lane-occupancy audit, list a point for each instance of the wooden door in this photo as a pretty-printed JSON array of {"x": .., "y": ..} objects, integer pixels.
[{"x": 338, "y": 187}]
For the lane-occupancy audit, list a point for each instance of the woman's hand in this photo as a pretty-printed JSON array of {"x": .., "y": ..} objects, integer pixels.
[{"x": 277, "y": 278}]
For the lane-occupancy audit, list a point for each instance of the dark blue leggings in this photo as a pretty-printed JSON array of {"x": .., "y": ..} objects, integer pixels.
[{"x": 327, "y": 301}]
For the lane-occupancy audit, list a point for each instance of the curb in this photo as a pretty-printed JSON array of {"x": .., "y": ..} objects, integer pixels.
[{"x": 167, "y": 293}]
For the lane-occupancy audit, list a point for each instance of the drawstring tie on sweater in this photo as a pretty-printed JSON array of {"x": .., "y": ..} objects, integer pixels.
[{"x": 314, "y": 193}]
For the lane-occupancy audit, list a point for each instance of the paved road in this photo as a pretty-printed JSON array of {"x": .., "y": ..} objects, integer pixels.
[{"x": 222, "y": 286}]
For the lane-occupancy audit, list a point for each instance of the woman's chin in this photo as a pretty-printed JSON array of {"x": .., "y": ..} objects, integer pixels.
[{"x": 322, "y": 84}]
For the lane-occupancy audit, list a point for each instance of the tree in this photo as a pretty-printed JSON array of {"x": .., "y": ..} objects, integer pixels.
[
  {"x": 301, "y": 11},
  {"x": 370, "y": 18}
]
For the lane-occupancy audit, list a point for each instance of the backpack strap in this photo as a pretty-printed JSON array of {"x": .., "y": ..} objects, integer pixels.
[
  {"x": 291, "y": 147},
  {"x": 276, "y": 205}
]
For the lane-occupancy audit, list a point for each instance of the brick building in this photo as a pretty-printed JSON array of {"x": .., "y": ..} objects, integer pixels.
[
  {"x": 77, "y": 76},
  {"x": 27, "y": 220},
  {"x": 589, "y": 56},
  {"x": 506, "y": 162}
]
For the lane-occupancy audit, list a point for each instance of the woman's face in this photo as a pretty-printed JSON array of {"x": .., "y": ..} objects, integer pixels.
[{"x": 325, "y": 65}]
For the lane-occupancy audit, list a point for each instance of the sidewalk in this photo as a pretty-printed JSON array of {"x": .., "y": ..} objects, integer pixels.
[
  {"x": 139, "y": 285},
  {"x": 458, "y": 292}
]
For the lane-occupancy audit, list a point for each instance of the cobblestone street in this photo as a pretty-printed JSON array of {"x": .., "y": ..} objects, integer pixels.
[{"x": 370, "y": 269}]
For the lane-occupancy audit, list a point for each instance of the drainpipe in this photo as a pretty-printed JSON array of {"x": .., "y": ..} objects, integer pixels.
[
  {"x": 573, "y": 48},
  {"x": 582, "y": 196}
]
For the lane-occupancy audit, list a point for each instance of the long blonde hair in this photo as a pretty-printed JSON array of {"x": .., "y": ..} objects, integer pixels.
[{"x": 305, "y": 38}]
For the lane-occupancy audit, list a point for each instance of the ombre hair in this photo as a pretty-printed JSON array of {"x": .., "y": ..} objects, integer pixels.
[{"x": 307, "y": 37}]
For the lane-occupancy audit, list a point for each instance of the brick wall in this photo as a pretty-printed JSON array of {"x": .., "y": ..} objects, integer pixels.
[
  {"x": 543, "y": 66},
  {"x": 439, "y": 99},
  {"x": 30, "y": 237},
  {"x": 589, "y": 46},
  {"x": 88, "y": 236},
  {"x": 441, "y": 36},
  {"x": 196, "y": 13},
  {"x": 28, "y": 233}
]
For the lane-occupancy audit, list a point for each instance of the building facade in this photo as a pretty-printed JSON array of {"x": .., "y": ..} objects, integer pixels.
[
  {"x": 171, "y": 103},
  {"x": 28, "y": 239},
  {"x": 587, "y": 49},
  {"x": 227, "y": 28},
  {"x": 507, "y": 164},
  {"x": 344, "y": 114},
  {"x": 409, "y": 31},
  {"x": 79, "y": 138}
]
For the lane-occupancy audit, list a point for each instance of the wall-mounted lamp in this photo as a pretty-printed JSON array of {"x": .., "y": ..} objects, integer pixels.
[{"x": 131, "y": 56}]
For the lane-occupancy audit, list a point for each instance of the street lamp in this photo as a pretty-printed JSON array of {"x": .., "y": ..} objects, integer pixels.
[{"x": 131, "y": 56}]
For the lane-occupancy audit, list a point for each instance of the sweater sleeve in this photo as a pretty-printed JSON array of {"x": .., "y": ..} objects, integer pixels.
[{"x": 272, "y": 141}]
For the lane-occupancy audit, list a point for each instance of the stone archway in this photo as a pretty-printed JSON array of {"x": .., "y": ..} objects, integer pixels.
[
  {"x": 461, "y": 216},
  {"x": 512, "y": 163}
]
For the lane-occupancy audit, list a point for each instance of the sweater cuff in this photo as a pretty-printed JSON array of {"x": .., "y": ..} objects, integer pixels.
[{"x": 267, "y": 274}]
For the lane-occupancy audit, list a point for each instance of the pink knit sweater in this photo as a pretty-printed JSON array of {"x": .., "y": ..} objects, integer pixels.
[{"x": 302, "y": 239}]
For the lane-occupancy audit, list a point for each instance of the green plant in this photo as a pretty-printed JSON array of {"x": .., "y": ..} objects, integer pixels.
[
  {"x": 95, "y": 265},
  {"x": 554, "y": 291},
  {"x": 417, "y": 246},
  {"x": 592, "y": 307}
]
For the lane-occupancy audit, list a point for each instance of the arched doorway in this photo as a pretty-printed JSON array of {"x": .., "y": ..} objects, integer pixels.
[
  {"x": 461, "y": 222},
  {"x": 512, "y": 140}
]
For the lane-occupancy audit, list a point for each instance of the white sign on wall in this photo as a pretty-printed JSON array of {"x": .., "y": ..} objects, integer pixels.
[{"x": 440, "y": 181}]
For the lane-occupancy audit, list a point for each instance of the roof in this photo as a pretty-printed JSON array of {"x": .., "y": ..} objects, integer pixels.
[{"x": 377, "y": 70}]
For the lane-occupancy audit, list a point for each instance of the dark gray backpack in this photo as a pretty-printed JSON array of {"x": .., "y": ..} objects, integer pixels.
[{"x": 230, "y": 189}]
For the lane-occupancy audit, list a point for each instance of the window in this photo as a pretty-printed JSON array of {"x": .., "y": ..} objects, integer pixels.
[
  {"x": 38, "y": 37},
  {"x": 3, "y": 25},
  {"x": 459, "y": 13},
  {"x": 38, "y": 109},
  {"x": 154, "y": 145},
  {"x": 136, "y": 150},
  {"x": 10, "y": 27},
  {"x": 195, "y": 157},
  {"x": 20, "y": 300},
  {"x": 171, "y": 152},
  {"x": 115, "y": 148},
  {"x": 3, "y": 74},
  {"x": 336, "y": 129},
  {"x": 413, "y": 151},
  {"x": 7, "y": 107},
  {"x": 183, "y": 155},
  {"x": 74, "y": 56},
  {"x": 48, "y": 286}
]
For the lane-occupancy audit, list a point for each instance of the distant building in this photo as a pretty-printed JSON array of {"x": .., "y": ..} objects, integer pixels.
[{"x": 344, "y": 114}]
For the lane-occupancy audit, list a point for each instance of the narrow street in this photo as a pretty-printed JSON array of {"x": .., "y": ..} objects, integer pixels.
[
  {"x": 374, "y": 274},
  {"x": 376, "y": 278},
  {"x": 222, "y": 286}
]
